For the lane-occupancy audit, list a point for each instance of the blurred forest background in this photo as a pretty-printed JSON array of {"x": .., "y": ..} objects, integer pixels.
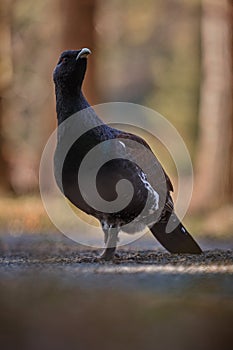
[{"x": 174, "y": 56}]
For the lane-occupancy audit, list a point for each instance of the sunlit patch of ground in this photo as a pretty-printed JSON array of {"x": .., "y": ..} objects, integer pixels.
[
  {"x": 58, "y": 256},
  {"x": 27, "y": 214}
]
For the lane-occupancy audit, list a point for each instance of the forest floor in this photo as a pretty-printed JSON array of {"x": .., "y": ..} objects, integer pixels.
[{"x": 56, "y": 294}]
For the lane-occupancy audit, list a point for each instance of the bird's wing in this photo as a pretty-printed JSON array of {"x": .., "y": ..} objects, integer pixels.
[{"x": 141, "y": 151}]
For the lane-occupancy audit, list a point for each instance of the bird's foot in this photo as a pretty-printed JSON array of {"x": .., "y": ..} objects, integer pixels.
[{"x": 107, "y": 255}]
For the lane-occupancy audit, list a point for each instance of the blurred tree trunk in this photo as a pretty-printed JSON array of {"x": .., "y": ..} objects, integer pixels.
[
  {"x": 79, "y": 31},
  {"x": 4, "y": 173},
  {"x": 214, "y": 163},
  {"x": 5, "y": 80}
]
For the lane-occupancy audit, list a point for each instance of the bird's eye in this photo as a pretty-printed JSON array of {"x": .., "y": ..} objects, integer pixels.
[{"x": 63, "y": 60}]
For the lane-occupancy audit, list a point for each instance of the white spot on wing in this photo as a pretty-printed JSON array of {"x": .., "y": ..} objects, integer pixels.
[
  {"x": 153, "y": 193},
  {"x": 122, "y": 143}
]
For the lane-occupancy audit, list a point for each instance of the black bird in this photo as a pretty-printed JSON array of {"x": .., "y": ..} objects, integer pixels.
[{"x": 129, "y": 158}]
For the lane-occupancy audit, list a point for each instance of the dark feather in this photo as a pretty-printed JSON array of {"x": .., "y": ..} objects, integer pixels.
[{"x": 132, "y": 160}]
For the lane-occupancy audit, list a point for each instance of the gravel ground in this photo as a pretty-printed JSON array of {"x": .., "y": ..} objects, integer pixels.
[
  {"x": 134, "y": 266},
  {"x": 56, "y": 294},
  {"x": 57, "y": 249},
  {"x": 220, "y": 260}
]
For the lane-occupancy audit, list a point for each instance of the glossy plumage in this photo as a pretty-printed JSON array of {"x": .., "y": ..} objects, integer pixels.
[{"x": 130, "y": 158}]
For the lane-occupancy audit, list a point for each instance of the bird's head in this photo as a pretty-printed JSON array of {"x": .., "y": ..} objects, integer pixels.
[{"x": 70, "y": 69}]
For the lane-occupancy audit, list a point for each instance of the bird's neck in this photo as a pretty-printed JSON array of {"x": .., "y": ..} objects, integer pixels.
[{"x": 68, "y": 103}]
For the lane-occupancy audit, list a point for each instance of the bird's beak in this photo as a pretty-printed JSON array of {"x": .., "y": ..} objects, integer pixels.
[{"x": 83, "y": 53}]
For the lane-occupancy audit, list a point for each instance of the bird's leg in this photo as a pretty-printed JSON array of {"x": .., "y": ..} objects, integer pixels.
[
  {"x": 105, "y": 236},
  {"x": 111, "y": 237}
]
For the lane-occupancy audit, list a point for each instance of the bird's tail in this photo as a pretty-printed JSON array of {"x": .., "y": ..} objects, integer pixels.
[{"x": 176, "y": 241}]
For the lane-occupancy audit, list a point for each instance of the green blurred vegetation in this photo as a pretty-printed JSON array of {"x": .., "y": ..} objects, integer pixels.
[
  {"x": 150, "y": 54},
  {"x": 147, "y": 52}
]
